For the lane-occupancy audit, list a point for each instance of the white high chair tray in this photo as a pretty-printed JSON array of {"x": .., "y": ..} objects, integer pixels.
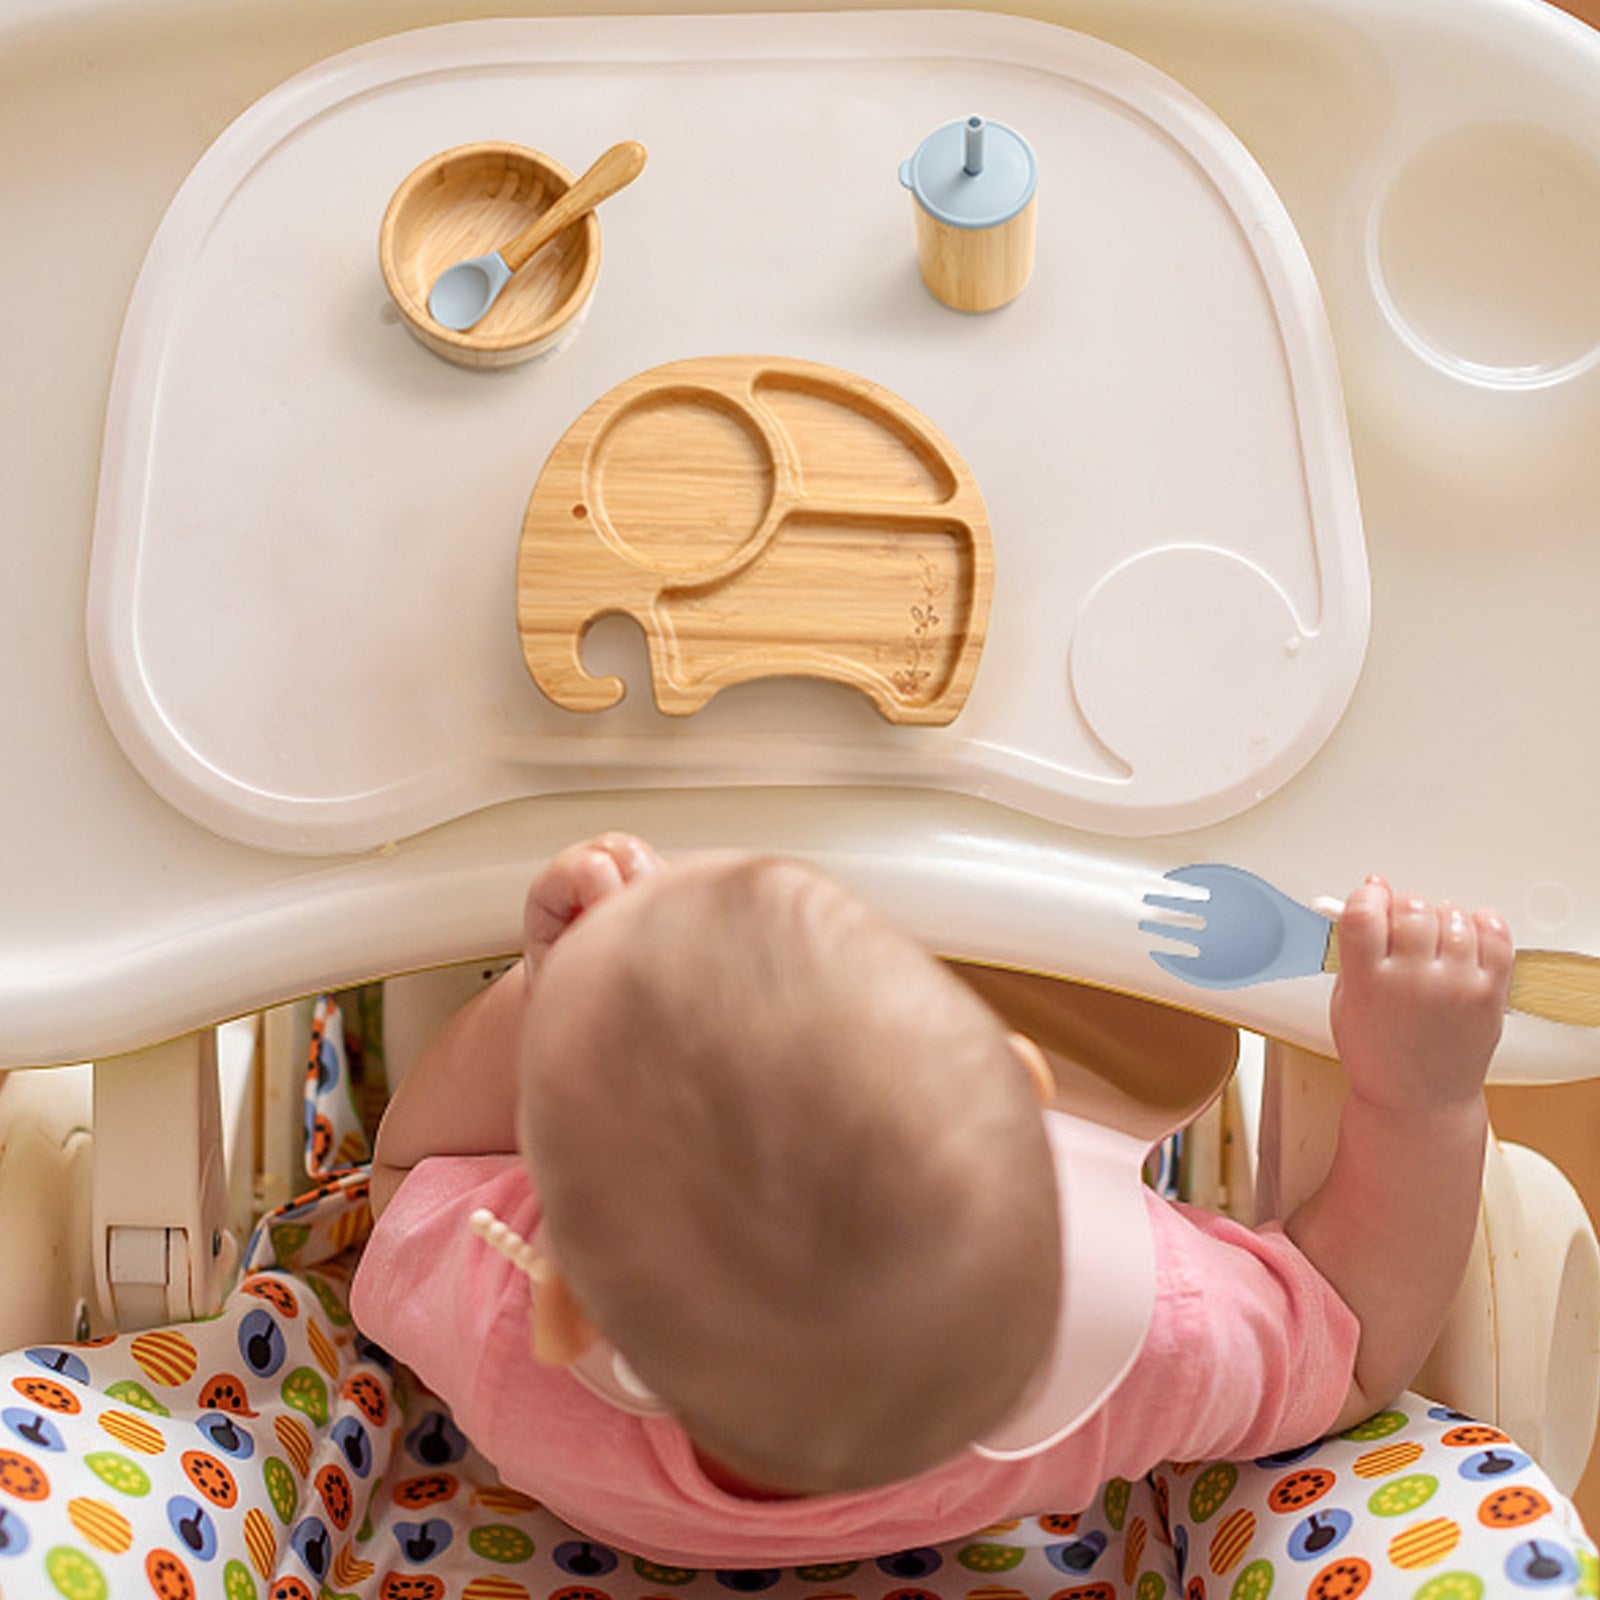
[{"x": 302, "y": 619}]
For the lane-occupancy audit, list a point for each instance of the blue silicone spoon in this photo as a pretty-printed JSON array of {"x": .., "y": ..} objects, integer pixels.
[{"x": 462, "y": 294}]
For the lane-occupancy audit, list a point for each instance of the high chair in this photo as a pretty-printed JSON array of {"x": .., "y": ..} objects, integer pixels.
[{"x": 239, "y": 813}]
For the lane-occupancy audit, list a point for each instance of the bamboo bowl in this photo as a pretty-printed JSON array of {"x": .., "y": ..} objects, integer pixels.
[{"x": 470, "y": 200}]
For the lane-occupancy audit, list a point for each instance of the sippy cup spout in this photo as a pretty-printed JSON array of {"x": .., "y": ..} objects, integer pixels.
[{"x": 973, "y": 164}]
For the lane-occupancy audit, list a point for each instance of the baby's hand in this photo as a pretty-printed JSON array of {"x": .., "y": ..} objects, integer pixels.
[
  {"x": 1420, "y": 998},
  {"x": 573, "y": 881}
]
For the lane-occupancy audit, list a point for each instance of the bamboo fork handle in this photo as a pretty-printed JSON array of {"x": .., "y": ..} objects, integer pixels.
[
  {"x": 614, "y": 170},
  {"x": 1558, "y": 985}
]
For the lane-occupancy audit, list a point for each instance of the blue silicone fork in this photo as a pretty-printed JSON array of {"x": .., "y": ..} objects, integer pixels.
[{"x": 1248, "y": 932}]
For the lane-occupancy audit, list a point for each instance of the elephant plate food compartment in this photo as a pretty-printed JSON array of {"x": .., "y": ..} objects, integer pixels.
[{"x": 759, "y": 517}]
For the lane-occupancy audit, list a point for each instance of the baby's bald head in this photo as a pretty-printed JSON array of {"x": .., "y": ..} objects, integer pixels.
[{"x": 792, "y": 1168}]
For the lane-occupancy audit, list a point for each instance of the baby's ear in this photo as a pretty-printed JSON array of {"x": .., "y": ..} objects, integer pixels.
[
  {"x": 560, "y": 1330},
  {"x": 1032, "y": 1057}
]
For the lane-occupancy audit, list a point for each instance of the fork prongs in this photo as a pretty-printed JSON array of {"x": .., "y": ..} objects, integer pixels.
[{"x": 1186, "y": 905}]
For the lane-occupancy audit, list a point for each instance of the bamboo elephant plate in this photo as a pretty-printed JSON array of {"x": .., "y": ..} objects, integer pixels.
[{"x": 759, "y": 517}]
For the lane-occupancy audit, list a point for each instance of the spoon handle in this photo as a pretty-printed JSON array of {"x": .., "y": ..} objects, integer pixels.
[{"x": 614, "y": 170}]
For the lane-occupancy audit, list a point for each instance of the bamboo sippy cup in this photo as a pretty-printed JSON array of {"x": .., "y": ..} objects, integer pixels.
[{"x": 974, "y": 183}]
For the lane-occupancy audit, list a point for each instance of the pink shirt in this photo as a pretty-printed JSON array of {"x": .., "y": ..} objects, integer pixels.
[{"x": 1249, "y": 1351}]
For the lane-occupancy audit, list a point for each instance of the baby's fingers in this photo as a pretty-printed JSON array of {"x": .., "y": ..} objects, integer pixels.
[
  {"x": 634, "y": 858},
  {"x": 1413, "y": 929},
  {"x": 1364, "y": 925},
  {"x": 1495, "y": 949},
  {"x": 595, "y": 872},
  {"x": 1458, "y": 938},
  {"x": 575, "y": 880},
  {"x": 1475, "y": 953}
]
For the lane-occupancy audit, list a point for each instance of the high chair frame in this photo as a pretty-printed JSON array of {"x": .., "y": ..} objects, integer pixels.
[
  {"x": 1521, "y": 1347},
  {"x": 127, "y": 932}
]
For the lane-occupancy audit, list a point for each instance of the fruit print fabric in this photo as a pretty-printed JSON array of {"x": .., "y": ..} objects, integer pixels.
[
  {"x": 272, "y": 1454},
  {"x": 334, "y": 1134},
  {"x": 1412, "y": 1519},
  {"x": 384, "y": 1500}
]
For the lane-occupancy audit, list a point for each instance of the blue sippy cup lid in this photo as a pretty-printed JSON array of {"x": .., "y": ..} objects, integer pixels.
[{"x": 972, "y": 173}]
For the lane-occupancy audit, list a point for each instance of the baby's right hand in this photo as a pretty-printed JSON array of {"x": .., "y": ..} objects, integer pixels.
[
  {"x": 1420, "y": 998},
  {"x": 573, "y": 881}
]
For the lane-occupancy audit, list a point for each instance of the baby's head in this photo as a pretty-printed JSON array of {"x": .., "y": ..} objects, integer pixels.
[{"x": 794, "y": 1170}]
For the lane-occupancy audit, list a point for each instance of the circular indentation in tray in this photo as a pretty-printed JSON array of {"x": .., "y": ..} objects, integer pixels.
[
  {"x": 1184, "y": 659},
  {"x": 682, "y": 480},
  {"x": 1549, "y": 905},
  {"x": 1483, "y": 254}
]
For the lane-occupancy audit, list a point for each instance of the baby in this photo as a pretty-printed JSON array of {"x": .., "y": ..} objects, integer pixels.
[{"x": 797, "y": 1223}]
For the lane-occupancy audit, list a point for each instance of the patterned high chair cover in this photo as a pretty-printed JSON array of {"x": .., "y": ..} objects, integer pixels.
[{"x": 272, "y": 1453}]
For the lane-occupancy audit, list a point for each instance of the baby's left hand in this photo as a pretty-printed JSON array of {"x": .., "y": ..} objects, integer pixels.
[
  {"x": 573, "y": 881},
  {"x": 1421, "y": 994}
]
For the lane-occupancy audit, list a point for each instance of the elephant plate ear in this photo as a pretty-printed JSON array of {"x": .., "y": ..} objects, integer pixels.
[{"x": 857, "y": 442}]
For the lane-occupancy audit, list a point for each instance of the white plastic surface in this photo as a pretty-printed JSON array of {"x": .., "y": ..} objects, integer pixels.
[
  {"x": 1464, "y": 767},
  {"x": 1521, "y": 1347},
  {"x": 162, "y": 1252},
  {"x": 46, "y": 1271},
  {"x": 1180, "y": 603}
]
